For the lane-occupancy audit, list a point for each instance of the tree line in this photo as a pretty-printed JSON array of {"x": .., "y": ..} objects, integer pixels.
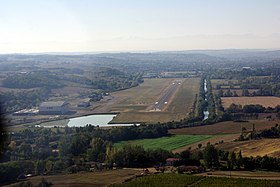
[{"x": 251, "y": 108}]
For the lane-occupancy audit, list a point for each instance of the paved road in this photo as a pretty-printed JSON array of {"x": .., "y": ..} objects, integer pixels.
[{"x": 166, "y": 97}]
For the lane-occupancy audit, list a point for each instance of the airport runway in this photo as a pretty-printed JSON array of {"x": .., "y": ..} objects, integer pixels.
[{"x": 166, "y": 97}]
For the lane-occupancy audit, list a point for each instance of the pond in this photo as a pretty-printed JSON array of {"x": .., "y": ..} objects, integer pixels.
[{"x": 101, "y": 120}]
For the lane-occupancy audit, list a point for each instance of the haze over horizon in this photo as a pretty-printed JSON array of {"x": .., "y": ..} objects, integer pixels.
[{"x": 34, "y": 26}]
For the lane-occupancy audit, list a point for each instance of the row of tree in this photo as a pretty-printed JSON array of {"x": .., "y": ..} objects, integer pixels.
[{"x": 234, "y": 108}]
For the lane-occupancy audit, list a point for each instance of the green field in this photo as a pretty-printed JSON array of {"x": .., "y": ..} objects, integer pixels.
[
  {"x": 168, "y": 143},
  {"x": 189, "y": 180}
]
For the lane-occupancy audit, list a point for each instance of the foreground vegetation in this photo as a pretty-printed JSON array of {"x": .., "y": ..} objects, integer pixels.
[{"x": 188, "y": 180}]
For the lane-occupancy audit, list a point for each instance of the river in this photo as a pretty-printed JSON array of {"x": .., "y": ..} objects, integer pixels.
[{"x": 205, "y": 112}]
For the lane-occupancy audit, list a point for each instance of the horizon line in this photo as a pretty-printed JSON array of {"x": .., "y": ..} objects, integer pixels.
[{"x": 134, "y": 51}]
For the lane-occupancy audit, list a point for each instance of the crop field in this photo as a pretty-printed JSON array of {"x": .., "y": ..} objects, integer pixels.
[
  {"x": 269, "y": 175},
  {"x": 138, "y": 104},
  {"x": 266, "y": 101},
  {"x": 226, "y": 131},
  {"x": 226, "y": 127},
  {"x": 215, "y": 139},
  {"x": 254, "y": 148},
  {"x": 88, "y": 179},
  {"x": 190, "y": 180},
  {"x": 163, "y": 180},
  {"x": 167, "y": 143}
]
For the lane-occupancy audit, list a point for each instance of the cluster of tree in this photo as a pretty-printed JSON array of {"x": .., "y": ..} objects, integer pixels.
[
  {"x": 43, "y": 183},
  {"x": 11, "y": 171},
  {"x": 228, "y": 93},
  {"x": 40, "y": 143},
  {"x": 122, "y": 133},
  {"x": 17, "y": 100},
  {"x": 225, "y": 160},
  {"x": 201, "y": 103},
  {"x": 219, "y": 107},
  {"x": 246, "y": 93},
  {"x": 273, "y": 132},
  {"x": 261, "y": 163},
  {"x": 96, "y": 96},
  {"x": 117, "y": 82},
  {"x": 210, "y": 101},
  {"x": 137, "y": 156}
]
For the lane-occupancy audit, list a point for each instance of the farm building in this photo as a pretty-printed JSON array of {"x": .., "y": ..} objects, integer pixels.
[
  {"x": 83, "y": 104},
  {"x": 54, "y": 108}
]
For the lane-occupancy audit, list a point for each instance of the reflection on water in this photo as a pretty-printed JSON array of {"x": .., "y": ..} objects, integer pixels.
[
  {"x": 101, "y": 120},
  {"x": 94, "y": 120},
  {"x": 206, "y": 114}
]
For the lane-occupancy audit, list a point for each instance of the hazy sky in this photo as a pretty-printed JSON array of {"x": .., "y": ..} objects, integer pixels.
[{"x": 128, "y": 25}]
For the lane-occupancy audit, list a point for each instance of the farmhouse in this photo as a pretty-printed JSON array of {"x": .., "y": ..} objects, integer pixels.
[
  {"x": 54, "y": 108},
  {"x": 172, "y": 161}
]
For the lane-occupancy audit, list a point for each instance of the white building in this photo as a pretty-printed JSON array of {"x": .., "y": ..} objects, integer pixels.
[{"x": 54, "y": 108}]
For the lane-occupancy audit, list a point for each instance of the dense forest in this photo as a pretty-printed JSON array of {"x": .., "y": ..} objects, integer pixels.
[{"x": 16, "y": 100}]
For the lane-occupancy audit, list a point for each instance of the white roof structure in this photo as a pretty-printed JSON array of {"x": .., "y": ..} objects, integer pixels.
[{"x": 53, "y": 104}]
